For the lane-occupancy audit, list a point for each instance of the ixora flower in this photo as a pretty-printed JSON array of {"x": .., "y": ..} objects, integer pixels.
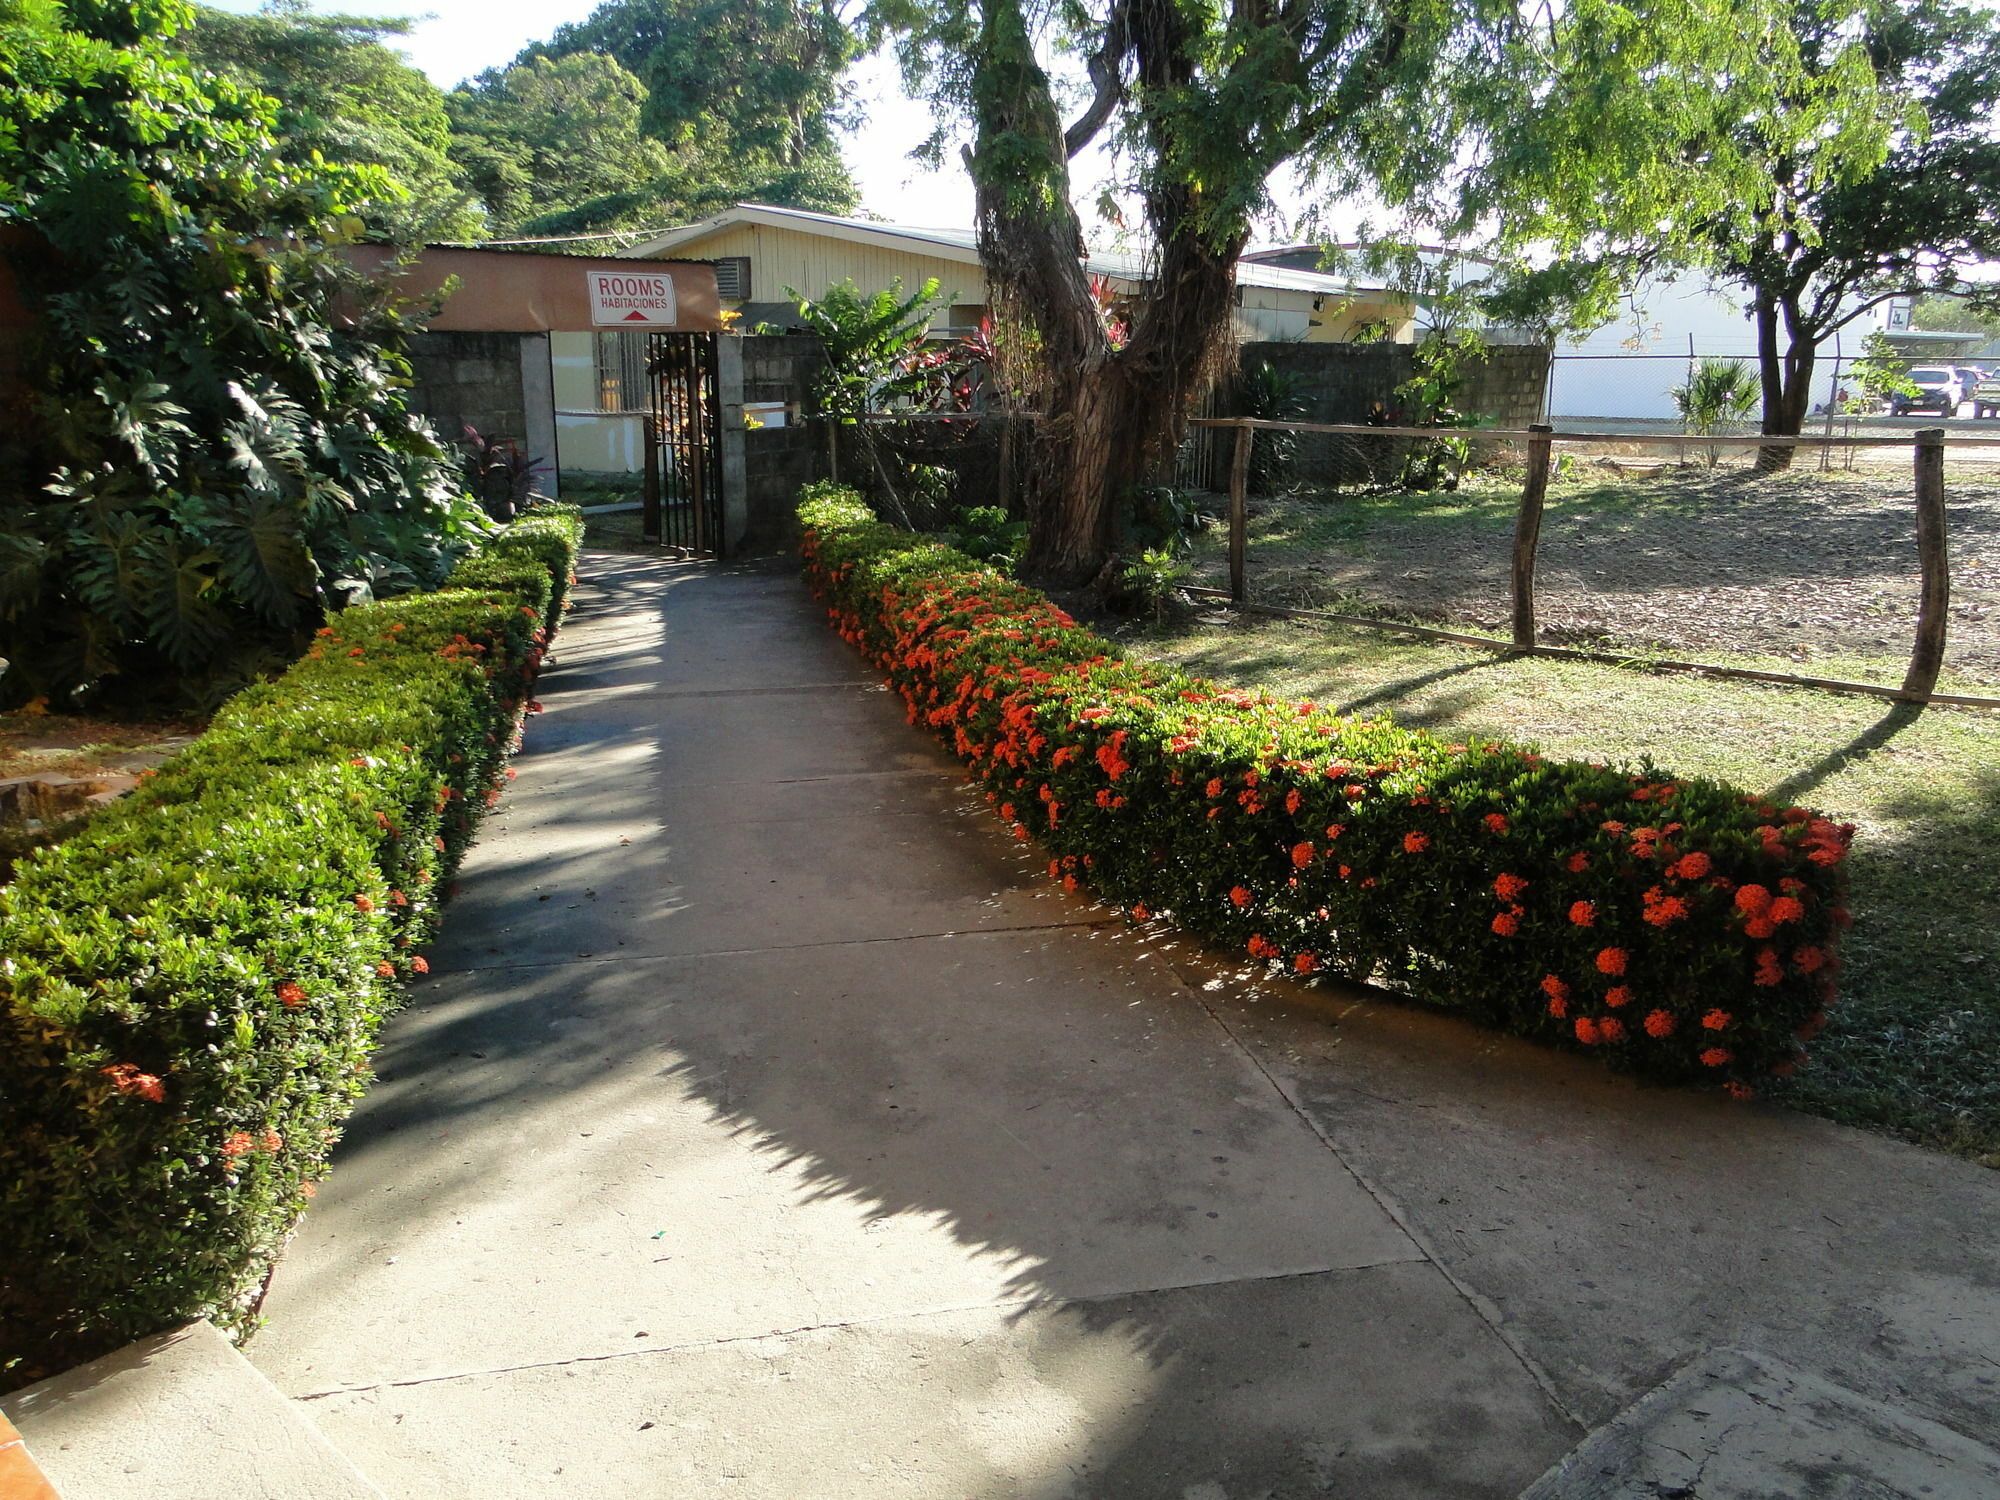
[
  {"x": 1219, "y": 797},
  {"x": 127, "y": 1079}
]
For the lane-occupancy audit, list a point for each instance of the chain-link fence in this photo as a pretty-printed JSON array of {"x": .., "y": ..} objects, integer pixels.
[{"x": 1871, "y": 559}]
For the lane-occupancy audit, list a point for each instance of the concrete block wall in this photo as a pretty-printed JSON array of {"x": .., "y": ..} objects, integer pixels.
[
  {"x": 1341, "y": 381},
  {"x": 778, "y": 460}
]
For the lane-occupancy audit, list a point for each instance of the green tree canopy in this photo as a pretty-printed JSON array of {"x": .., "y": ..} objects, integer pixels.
[
  {"x": 749, "y": 88},
  {"x": 552, "y": 133},
  {"x": 1454, "y": 111},
  {"x": 349, "y": 97},
  {"x": 212, "y": 458}
]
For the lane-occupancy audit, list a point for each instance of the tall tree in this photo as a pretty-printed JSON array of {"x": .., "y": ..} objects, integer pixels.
[
  {"x": 752, "y": 87},
  {"x": 350, "y": 98},
  {"x": 211, "y": 458},
  {"x": 1406, "y": 98},
  {"x": 1820, "y": 247},
  {"x": 548, "y": 134}
]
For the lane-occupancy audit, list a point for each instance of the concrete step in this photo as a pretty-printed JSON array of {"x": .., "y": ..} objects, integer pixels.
[
  {"x": 1735, "y": 1425},
  {"x": 179, "y": 1416}
]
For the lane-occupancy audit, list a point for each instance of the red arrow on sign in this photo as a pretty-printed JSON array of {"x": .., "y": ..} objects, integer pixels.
[{"x": 635, "y": 317}]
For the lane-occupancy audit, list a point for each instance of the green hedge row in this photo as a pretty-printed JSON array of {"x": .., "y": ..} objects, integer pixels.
[
  {"x": 1676, "y": 927},
  {"x": 192, "y": 983}
]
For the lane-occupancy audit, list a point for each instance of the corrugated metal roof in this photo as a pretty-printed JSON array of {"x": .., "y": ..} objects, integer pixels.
[{"x": 963, "y": 244}]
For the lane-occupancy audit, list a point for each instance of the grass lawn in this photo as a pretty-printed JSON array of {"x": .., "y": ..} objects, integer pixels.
[{"x": 1914, "y": 1046}]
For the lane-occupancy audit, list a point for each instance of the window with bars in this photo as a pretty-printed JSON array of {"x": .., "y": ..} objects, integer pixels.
[{"x": 621, "y": 371}]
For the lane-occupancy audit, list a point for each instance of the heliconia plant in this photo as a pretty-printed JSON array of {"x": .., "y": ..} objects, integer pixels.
[{"x": 1675, "y": 927}]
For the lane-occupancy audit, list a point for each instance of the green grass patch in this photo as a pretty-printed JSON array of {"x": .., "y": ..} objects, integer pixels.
[{"x": 1914, "y": 1044}]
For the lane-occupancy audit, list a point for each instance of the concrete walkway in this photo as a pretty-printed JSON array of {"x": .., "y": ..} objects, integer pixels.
[{"x": 771, "y": 1128}]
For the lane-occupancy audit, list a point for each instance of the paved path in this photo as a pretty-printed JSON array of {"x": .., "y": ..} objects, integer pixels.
[{"x": 771, "y": 1128}]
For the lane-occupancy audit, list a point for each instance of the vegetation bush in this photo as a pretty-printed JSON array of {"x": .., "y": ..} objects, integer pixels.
[
  {"x": 1676, "y": 927},
  {"x": 215, "y": 449},
  {"x": 193, "y": 982}
]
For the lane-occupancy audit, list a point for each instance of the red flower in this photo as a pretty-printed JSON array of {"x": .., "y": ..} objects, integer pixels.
[
  {"x": 1554, "y": 988},
  {"x": 1610, "y": 1030},
  {"x": 1302, "y": 854},
  {"x": 1558, "y": 1006},
  {"x": 1753, "y": 900},
  {"x": 1577, "y": 863},
  {"x": 292, "y": 994},
  {"x": 1716, "y": 1057},
  {"x": 418, "y": 963},
  {"x": 1416, "y": 843},
  {"x": 1786, "y": 909},
  {"x": 1693, "y": 866},
  {"x": 1507, "y": 923},
  {"x": 127, "y": 1079},
  {"x": 1811, "y": 960},
  {"x": 1717, "y": 1020},
  {"x": 1305, "y": 963},
  {"x": 364, "y": 903},
  {"x": 1617, "y": 995},
  {"x": 1741, "y": 1091},
  {"x": 1611, "y": 961},
  {"x": 1292, "y": 801},
  {"x": 236, "y": 1144},
  {"x": 1240, "y": 895},
  {"x": 386, "y": 969},
  {"x": 1586, "y": 1031},
  {"x": 1666, "y": 909},
  {"x": 1496, "y": 822},
  {"x": 1659, "y": 1023},
  {"x": 1583, "y": 913},
  {"x": 1335, "y": 830},
  {"x": 1140, "y": 914},
  {"x": 1262, "y": 947},
  {"x": 1214, "y": 787}
]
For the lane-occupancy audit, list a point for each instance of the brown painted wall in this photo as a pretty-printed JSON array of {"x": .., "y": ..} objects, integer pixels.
[{"x": 500, "y": 291}]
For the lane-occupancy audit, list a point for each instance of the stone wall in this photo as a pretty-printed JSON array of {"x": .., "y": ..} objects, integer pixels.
[
  {"x": 1340, "y": 382},
  {"x": 778, "y": 460},
  {"x": 470, "y": 378}
]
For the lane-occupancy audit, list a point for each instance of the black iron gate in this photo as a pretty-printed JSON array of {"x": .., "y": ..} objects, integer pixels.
[{"x": 683, "y": 491}]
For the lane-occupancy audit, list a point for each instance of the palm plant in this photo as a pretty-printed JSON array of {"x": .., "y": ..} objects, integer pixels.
[{"x": 1718, "y": 392}]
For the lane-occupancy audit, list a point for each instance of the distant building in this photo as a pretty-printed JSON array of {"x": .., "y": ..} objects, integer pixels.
[{"x": 762, "y": 254}]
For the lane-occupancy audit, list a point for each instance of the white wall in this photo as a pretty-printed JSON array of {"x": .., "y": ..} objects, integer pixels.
[{"x": 1599, "y": 375}]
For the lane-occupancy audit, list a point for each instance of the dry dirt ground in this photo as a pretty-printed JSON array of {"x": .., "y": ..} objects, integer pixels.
[{"x": 1686, "y": 561}]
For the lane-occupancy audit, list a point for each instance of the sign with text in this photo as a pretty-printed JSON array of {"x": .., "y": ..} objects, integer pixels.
[{"x": 635, "y": 299}]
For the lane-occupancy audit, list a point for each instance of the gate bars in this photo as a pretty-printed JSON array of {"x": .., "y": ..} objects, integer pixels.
[{"x": 683, "y": 478}]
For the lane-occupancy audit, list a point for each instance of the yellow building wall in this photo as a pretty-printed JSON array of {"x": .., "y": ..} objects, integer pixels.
[{"x": 810, "y": 263}]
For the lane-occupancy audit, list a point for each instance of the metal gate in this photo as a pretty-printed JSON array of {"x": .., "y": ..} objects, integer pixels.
[{"x": 683, "y": 493}]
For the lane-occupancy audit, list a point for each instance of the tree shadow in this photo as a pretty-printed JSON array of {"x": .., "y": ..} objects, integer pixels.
[{"x": 1885, "y": 729}]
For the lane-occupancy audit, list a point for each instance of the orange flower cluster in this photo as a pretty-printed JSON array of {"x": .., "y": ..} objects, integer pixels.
[{"x": 1623, "y": 896}]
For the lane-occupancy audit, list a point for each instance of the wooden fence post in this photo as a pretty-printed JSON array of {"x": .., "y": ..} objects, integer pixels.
[
  {"x": 1528, "y": 533},
  {"x": 1927, "y": 657},
  {"x": 1239, "y": 480}
]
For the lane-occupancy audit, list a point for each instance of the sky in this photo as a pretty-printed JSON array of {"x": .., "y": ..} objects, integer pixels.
[{"x": 456, "y": 39}]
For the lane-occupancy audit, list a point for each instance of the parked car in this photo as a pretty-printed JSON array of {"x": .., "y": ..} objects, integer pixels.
[
  {"x": 1986, "y": 396},
  {"x": 1939, "y": 389}
]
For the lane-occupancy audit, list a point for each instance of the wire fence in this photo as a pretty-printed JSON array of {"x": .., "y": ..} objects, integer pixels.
[{"x": 1872, "y": 556}]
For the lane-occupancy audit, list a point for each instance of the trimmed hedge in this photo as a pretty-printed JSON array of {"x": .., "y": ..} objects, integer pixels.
[
  {"x": 193, "y": 982},
  {"x": 1675, "y": 927}
]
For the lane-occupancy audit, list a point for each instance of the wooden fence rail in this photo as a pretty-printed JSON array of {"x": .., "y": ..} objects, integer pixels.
[{"x": 1928, "y": 444}]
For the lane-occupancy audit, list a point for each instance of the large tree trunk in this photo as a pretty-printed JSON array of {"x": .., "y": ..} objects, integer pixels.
[
  {"x": 1112, "y": 416},
  {"x": 1786, "y": 376}
]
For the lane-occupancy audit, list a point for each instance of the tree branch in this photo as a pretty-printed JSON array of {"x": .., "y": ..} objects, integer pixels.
[{"x": 1107, "y": 75}]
